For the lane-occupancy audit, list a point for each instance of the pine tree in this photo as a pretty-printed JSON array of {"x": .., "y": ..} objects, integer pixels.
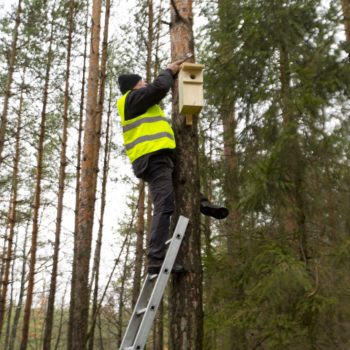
[
  {"x": 78, "y": 175},
  {"x": 282, "y": 98},
  {"x": 186, "y": 327},
  {"x": 61, "y": 186},
  {"x": 37, "y": 197},
  {"x": 12, "y": 63},
  {"x": 101, "y": 99},
  {"x": 87, "y": 191},
  {"x": 12, "y": 220}
]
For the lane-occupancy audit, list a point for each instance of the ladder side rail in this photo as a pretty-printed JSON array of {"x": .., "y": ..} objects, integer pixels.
[
  {"x": 158, "y": 291},
  {"x": 135, "y": 320}
]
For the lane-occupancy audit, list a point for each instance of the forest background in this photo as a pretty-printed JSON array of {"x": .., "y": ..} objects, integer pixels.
[{"x": 273, "y": 145}]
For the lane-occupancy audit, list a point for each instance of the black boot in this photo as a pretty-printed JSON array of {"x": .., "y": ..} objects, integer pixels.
[
  {"x": 154, "y": 266},
  {"x": 213, "y": 210}
]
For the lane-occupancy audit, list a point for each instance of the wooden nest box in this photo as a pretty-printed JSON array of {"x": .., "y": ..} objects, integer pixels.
[{"x": 191, "y": 89}]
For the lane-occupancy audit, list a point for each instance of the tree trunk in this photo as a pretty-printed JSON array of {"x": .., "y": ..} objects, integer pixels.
[
  {"x": 150, "y": 39},
  {"x": 139, "y": 254},
  {"x": 77, "y": 182},
  {"x": 158, "y": 337},
  {"x": 346, "y": 12},
  {"x": 87, "y": 191},
  {"x": 97, "y": 257},
  {"x": 231, "y": 185},
  {"x": 61, "y": 189},
  {"x": 121, "y": 296},
  {"x": 139, "y": 243},
  {"x": 105, "y": 166},
  {"x": 11, "y": 68},
  {"x": 21, "y": 294},
  {"x": 37, "y": 198},
  {"x": 294, "y": 211},
  {"x": 186, "y": 314},
  {"x": 12, "y": 213},
  {"x": 9, "y": 316},
  {"x": 236, "y": 337},
  {"x": 60, "y": 326}
]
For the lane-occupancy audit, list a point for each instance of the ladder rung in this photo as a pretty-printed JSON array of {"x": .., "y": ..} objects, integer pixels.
[
  {"x": 141, "y": 311},
  {"x": 152, "y": 277},
  {"x": 143, "y": 315}
]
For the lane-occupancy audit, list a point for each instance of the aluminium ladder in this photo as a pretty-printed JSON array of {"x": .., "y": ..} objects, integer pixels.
[{"x": 151, "y": 294}]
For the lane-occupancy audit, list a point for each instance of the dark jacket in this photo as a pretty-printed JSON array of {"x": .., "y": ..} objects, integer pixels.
[{"x": 137, "y": 103}]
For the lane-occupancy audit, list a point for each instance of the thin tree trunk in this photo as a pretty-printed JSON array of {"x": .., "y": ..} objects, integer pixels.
[
  {"x": 61, "y": 188},
  {"x": 121, "y": 296},
  {"x": 141, "y": 207},
  {"x": 139, "y": 244},
  {"x": 60, "y": 326},
  {"x": 12, "y": 212},
  {"x": 186, "y": 313},
  {"x": 236, "y": 337},
  {"x": 294, "y": 211},
  {"x": 21, "y": 293},
  {"x": 150, "y": 39},
  {"x": 77, "y": 182},
  {"x": 9, "y": 317},
  {"x": 157, "y": 40},
  {"x": 11, "y": 68},
  {"x": 207, "y": 188},
  {"x": 100, "y": 332},
  {"x": 231, "y": 184},
  {"x": 346, "y": 12},
  {"x": 97, "y": 257},
  {"x": 3, "y": 256},
  {"x": 148, "y": 221},
  {"x": 105, "y": 166},
  {"x": 158, "y": 337},
  {"x": 37, "y": 198},
  {"x": 87, "y": 192}
]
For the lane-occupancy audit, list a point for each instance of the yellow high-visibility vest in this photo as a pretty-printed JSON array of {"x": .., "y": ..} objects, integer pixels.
[{"x": 146, "y": 133}]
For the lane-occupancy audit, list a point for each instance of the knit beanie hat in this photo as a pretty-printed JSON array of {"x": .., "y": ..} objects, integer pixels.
[{"x": 128, "y": 81}]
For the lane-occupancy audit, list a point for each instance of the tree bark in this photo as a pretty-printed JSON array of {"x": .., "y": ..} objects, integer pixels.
[
  {"x": 121, "y": 296},
  {"x": 97, "y": 257},
  {"x": 11, "y": 303},
  {"x": 87, "y": 191},
  {"x": 105, "y": 166},
  {"x": 158, "y": 337},
  {"x": 60, "y": 326},
  {"x": 37, "y": 198},
  {"x": 294, "y": 219},
  {"x": 141, "y": 207},
  {"x": 12, "y": 218},
  {"x": 346, "y": 12},
  {"x": 21, "y": 294},
  {"x": 139, "y": 243},
  {"x": 186, "y": 314},
  {"x": 61, "y": 188},
  {"x": 231, "y": 185},
  {"x": 11, "y": 68},
  {"x": 77, "y": 182}
]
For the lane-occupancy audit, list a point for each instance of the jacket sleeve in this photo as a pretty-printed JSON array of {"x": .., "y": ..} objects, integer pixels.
[{"x": 138, "y": 101}]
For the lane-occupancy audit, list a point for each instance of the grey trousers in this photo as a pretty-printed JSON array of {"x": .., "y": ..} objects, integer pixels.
[{"x": 159, "y": 176}]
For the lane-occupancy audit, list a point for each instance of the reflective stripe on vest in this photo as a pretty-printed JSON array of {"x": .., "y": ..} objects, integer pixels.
[{"x": 146, "y": 133}]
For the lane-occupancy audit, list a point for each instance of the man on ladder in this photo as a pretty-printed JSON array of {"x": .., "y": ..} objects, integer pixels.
[{"x": 150, "y": 144}]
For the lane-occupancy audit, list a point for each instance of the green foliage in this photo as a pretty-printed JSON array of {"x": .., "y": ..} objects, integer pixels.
[{"x": 279, "y": 67}]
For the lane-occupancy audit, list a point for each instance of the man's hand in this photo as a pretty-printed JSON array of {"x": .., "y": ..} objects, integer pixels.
[{"x": 175, "y": 66}]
